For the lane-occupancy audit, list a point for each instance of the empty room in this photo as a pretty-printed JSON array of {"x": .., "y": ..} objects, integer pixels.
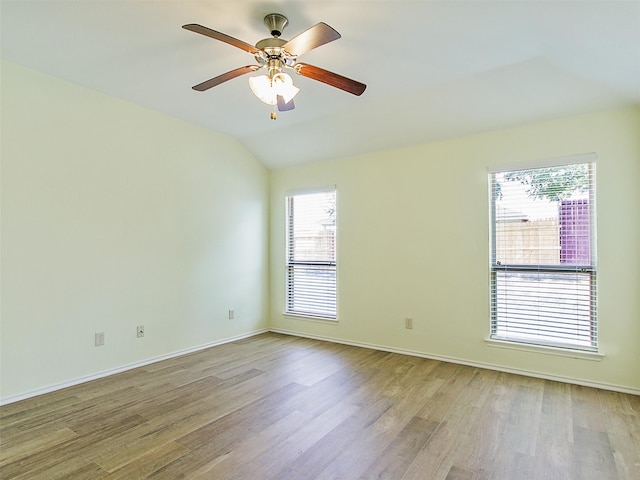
[{"x": 296, "y": 240}]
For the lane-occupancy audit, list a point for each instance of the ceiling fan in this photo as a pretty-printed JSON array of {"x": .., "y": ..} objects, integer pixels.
[{"x": 277, "y": 55}]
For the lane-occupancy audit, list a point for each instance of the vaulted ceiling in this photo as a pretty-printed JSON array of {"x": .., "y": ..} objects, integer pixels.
[{"x": 434, "y": 69}]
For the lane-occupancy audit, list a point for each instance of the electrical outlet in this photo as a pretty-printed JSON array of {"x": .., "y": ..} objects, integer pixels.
[
  {"x": 408, "y": 323},
  {"x": 99, "y": 339},
  {"x": 140, "y": 331},
  {"x": 232, "y": 314}
]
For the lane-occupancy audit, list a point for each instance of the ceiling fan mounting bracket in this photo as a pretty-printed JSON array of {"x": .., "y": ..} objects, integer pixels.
[{"x": 276, "y": 22}]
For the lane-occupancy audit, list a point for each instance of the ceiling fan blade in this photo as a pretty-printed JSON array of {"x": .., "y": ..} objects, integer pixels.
[
  {"x": 311, "y": 38},
  {"x": 212, "y": 82},
  {"x": 194, "y": 27},
  {"x": 330, "y": 78},
  {"x": 285, "y": 106}
]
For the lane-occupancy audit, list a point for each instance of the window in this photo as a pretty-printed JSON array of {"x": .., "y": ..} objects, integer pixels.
[
  {"x": 543, "y": 256},
  {"x": 311, "y": 254}
]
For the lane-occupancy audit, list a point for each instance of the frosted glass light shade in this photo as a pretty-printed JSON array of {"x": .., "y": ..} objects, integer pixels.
[
  {"x": 283, "y": 85},
  {"x": 267, "y": 90},
  {"x": 261, "y": 88}
]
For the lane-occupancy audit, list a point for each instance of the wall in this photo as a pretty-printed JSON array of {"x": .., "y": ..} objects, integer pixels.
[
  {"x": 115, "y": 216},
  {"x": 413, "y": 242}
]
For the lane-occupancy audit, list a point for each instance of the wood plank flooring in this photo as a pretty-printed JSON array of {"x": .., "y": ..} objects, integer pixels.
[{"x": 275, "y": 407}]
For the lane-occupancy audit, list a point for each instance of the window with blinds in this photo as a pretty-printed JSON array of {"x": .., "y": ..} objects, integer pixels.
[
  {"x": 543, "y": 256},
  {"x": 311, "y": 254}
]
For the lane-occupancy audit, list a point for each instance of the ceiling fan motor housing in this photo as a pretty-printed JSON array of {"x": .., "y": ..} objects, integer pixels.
[{"x": 271, "y": 48}]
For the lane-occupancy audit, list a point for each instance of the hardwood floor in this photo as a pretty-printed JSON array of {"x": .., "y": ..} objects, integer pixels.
[{"x": 287, "y": 408}]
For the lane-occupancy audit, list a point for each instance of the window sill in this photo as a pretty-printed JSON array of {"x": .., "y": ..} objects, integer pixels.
[
  {"x": 562, "y": 352},
  {"x": 310, "y": 318}
]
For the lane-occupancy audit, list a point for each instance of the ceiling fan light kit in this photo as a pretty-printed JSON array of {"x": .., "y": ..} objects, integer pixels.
[
  {"x": 276, "y": 88},
  {"x": 267, "y": 88}
]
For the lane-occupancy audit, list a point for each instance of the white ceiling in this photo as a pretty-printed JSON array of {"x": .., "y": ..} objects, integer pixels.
[{"x": 434, "y": 69}]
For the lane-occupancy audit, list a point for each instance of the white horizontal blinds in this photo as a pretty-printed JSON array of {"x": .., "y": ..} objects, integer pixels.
[
  {"x": 543, "y": 263},
  {"x": 311, "y": 254},
  {"x": 547, "y": 309}
]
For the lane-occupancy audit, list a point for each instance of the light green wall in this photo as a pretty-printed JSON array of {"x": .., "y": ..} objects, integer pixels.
[
  {"x": 413, "y": 242},
  {"x": 115, "y": 216}
]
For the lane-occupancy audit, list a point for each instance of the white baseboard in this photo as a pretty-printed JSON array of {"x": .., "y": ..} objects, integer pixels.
[
  {"x": 488, "y": 366},
  {"x": 500, "y": 368},
  {"x": 131, "y": 366}
]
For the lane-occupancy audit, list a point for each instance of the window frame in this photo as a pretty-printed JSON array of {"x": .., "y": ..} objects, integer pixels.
[
  {"x": 571, "y": 268},
  {"x": 290, "y": 263}
]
